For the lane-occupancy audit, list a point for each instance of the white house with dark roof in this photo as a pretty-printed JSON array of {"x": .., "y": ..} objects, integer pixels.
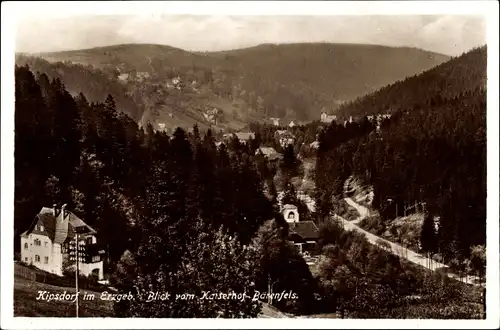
[
  {"x": 50, "y": 238},
  {"x": 303, "y": 234},
  {"x": 276, "y": 121}
]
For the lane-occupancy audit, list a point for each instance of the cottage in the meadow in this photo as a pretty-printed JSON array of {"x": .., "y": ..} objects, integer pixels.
[
  {"x": 50, "y": 240},
  {"x": 303, "y": 234}
]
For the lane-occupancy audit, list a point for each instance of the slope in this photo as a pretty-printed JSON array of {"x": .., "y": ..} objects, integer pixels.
[
  {"x": 290, "y": 81},
  {"x": 431, "y": 152},
  {"x": 450, "y": 79}
]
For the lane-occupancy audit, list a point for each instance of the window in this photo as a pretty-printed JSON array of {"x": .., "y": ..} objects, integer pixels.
[
  {"x": 291, "y": 215},
  {"x": 96, "y": 259},
  {"x": 38, "y": 242},
  {"x": 25, "y": 246},
  {"x": 46, "y": 260},
  {"x": 37, "y": 258},
  {"x": 46, "y": 244},
  {"x": 26, "y": 259},
  {"x": 41, "y": 227}
]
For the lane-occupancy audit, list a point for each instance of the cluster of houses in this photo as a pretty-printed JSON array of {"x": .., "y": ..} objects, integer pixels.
[
  {"x": 277, "y": 122},
  {"x": 284, "y": 137},
  {"x": 50, "y": 243},
  {"x": 243, "y": 137}
]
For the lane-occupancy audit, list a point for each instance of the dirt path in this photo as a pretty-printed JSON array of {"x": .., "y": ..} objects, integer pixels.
[
  {"x": 397, "y": 249},
  {"x": 363, "y": 211}
]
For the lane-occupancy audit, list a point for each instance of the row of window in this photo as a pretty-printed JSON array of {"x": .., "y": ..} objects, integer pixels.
[
  {"x": 37, "y": 243},
  {"x": 46, "y": 259}
]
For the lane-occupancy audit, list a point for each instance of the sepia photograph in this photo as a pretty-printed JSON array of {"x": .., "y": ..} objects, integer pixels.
[{"x": 323, "y": 161}]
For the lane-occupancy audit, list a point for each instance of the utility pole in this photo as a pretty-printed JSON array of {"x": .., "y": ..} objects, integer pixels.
[
  {"x": 269, "y": 288},
  {"x": 78, "y": 230},
  {"x": 484, "y": 302},
  {"x": 76, "y": 273}
]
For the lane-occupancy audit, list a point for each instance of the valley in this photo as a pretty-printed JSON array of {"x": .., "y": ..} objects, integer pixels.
[
  {"x": 169, "y": 87},
  {"x": 374, "y": 210}
]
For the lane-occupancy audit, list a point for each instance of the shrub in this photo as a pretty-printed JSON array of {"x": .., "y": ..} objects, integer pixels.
[{"x": 373, "y": 224}]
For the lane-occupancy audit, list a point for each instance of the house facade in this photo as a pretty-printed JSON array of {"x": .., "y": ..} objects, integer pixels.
[
  {"x": 326, "y": 118},
  {"x": 50, "y": 242},
  {"x": 303, "y": 234},
  {"x": 275, "y": 121}
]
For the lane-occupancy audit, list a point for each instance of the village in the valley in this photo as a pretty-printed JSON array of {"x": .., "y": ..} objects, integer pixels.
[{"x": 280, "y": 180}]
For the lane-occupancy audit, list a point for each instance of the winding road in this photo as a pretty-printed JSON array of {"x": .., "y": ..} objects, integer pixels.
[{"x": 397, "y": 249}]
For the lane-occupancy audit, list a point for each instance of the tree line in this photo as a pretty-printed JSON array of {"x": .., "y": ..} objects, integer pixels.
[
  {"x": 175, "y": 213},
  {"x": 431, "y": 153}
]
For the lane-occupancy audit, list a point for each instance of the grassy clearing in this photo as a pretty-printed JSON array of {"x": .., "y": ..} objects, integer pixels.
[{"x": 26, "y": 305}]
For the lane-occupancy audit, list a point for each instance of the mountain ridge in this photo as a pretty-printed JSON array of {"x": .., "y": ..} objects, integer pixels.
[{"x": 289, "y": 81}]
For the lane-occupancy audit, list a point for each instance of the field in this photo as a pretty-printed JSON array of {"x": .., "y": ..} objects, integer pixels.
[{"x": 26, "y": 305}]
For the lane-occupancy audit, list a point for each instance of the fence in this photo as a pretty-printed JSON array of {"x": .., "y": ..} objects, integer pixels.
[
  {"x": 25, "y": 272},
  {"x": 65, "y": 281}
]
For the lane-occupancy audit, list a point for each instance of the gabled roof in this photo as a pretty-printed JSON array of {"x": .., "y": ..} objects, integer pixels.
[
  {"x": 289, "y": 207},
  {"x": 266, "y": 151},
  {"x": 58, "y": 228},
  {"x": 245, "y": 136},
  {"x": 305, "y": 229},
  {"x": 275, "y": 156}
]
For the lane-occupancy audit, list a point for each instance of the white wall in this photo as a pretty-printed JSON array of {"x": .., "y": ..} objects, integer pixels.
[
  {"x": 287, "y": 213},
  {"x": 86, "y": 269},
  {"x": 57, "y": 259},
  {"x": 46, "y": 250}
]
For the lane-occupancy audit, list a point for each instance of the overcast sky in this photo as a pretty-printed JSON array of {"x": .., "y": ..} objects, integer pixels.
[{"x": 450, "y": 35}]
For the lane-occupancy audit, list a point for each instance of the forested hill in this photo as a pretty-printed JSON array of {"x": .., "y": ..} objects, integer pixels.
[
  {"x": 339, "y": 72},
  {"x": 93, "y": 82},
  {"x": 450, "y": 79},
  {"x": 290, "y": 81},
  {"x": 431, "y": 151}
]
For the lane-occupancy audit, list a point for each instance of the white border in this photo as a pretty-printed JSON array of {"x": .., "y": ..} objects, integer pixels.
[{"x": 11, "y": 11}]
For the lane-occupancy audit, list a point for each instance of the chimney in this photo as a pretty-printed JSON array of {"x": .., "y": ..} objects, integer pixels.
[
  {"x": 63, "y": 210},
  {"x": 54, "y": 210}
]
